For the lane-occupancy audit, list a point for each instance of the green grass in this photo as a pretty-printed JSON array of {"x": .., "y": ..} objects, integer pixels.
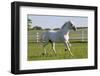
[{"x": 35, "y": 50}]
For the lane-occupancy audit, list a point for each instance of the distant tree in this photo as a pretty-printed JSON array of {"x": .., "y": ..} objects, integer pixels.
[
  {"x": 47, "y": 29},
  {"x": 29, "y": 24},
  {"x": 29, "y": 20},
  {"x": 56, "y": 29},
  {"x": 37, "y": 28},
  {"x": 82, "y": 27}
]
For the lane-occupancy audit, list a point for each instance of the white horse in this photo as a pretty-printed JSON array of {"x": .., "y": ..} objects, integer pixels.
[{"x": 58, "y": 36}]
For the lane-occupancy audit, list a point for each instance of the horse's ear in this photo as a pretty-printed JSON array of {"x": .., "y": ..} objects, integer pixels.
[{"x": 69, "y": 21}]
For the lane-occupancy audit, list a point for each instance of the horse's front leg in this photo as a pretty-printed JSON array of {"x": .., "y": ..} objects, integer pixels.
[
  {"x": 53, "y": 47},
  {"x": 69, "y": 43},
  {"x": 67, "y": 47}
]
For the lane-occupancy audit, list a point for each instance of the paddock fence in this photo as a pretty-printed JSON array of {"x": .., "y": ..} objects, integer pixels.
[{"x": 79, "y": 35}]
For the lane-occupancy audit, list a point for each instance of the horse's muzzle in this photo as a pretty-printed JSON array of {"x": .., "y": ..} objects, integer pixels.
[{"x": 74, "y": 28}]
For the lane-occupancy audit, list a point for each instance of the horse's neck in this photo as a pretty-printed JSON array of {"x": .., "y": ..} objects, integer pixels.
[{"x": 65, "y": 31}]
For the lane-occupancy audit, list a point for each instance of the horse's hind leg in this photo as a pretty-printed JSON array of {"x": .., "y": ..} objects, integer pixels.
[
  {"x": 53, "y": 47},
  {"x": 44, "y": 45},
  {"x": 67, "y": 47}
]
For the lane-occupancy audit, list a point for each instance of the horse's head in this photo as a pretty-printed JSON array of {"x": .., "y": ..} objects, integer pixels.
[{"x": 71, "y": 26}]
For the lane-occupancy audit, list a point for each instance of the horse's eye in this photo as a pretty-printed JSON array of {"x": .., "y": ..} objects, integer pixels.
[{"x": 71, "y": 24}]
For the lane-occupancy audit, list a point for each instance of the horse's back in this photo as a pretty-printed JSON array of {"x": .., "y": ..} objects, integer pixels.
[
  {"x": 54, "y": 36},
  {"x": 49, "y": 35}
]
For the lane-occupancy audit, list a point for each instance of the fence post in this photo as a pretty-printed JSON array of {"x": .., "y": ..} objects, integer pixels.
[{"x": 37, "y": 37}]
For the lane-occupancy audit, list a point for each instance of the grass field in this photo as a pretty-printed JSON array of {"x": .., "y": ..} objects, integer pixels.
[
  {"x": 35, "y": 51},
  {"x": 78, "y": 48}
]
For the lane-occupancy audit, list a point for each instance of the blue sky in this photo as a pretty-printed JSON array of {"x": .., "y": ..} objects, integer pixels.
[{"x": 48, "y": 21}]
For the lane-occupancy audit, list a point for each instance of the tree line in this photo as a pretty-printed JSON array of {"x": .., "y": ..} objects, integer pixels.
[
  {"x": 40, "y": 28},
  {"x": 30, "y": 27}
]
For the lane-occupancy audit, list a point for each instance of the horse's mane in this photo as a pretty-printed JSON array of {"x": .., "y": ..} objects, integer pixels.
[{"x": 65, "y": 24}]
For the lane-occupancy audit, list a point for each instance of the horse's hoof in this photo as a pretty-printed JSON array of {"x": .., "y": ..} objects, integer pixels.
[
  {"x": 43, "y": 54},
  {"x": 65, "y": 49}
]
